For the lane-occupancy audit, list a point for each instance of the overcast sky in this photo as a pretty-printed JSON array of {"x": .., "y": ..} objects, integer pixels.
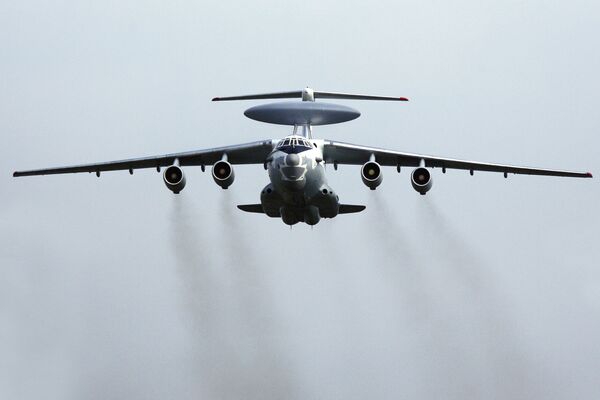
[{"x": 114, "y": 288}]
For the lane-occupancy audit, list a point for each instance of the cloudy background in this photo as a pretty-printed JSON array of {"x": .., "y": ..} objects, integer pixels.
[{"x": 114, "y": 288}]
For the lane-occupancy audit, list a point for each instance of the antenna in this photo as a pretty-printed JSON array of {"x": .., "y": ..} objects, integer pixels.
[{"x": 305, "y": 113}]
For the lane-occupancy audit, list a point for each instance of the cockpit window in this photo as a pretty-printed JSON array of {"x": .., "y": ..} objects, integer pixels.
[{"x": 293, "y": 145}]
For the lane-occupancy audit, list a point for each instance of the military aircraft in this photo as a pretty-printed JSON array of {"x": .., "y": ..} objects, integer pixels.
[{"x": 298, "y": 190}]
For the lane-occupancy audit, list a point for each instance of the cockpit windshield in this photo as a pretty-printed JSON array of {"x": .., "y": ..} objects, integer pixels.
[{"x": 294, "y": 144}]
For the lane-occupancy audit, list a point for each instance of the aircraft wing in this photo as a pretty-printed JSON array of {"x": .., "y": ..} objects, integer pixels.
[
  {"x": 248, "y": 153},
  {"x": 346, "y": 153}
]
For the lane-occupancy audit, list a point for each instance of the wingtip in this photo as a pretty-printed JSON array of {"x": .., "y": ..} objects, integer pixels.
[
  {"x": 403, "y": 98},
  {"x": 15, "y": 174},
  {"x": 589, "y": 175},
  {"x": 216, "y": 99}
]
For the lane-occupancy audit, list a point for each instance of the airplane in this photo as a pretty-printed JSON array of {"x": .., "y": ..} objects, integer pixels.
[{"x": 298, "y": 189}]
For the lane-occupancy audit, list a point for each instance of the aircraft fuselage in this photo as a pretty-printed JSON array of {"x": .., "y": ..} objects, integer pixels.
[{"x": 298, "y": 191}]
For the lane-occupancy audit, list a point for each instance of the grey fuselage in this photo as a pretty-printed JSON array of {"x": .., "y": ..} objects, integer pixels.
[{"x": 298, "y": 191}]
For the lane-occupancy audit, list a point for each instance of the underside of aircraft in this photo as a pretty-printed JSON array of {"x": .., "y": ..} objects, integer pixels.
[{"x": 298, "y": 189}]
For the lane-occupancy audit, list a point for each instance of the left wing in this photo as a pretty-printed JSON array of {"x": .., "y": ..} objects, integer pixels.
[
  {"x": 248, "y": 153},
  {"x": 346, "y": 153}
]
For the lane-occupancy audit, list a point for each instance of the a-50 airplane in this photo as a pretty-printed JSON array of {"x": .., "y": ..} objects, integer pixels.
[{"x": 298, "y": 191}]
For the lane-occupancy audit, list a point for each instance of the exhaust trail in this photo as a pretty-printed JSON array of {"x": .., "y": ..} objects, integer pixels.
[
  {"x": 492, "y": 354},
  {"x": 401, "y": 266},
  {"x": 449, "y": 247},
  {"x": 448, "y": 299},
  {"x": 194, "y": 263},
  {"x": 203, "y": 300},
  {"x": 232, "y": 353},
  {"x": 262, "y": 370}
]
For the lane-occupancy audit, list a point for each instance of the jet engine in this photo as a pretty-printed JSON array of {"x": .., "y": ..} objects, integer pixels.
[
  {"x": 421, "y": 180},
  {"x": 371, "y": 174},
  {"x": 222, "y": 173},
  {"x": 174, "y": 179}
]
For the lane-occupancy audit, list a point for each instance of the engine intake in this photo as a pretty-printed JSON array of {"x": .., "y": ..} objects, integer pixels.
[
  {"x": 421, "y": 180},
  {"x": 222, "y": 173},
  {"x": 174, "y": 178},
  {"x": 371, "y": 174}
]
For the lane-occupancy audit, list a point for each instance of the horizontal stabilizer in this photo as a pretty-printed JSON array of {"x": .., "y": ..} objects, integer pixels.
[
  {"x": 349, "y": 96},
  {"x": 253, "y": 208},
  {"x": 350, "y": 208},
  {"x": 280, "y": 95},
  {"x": 309, "y": 94}
]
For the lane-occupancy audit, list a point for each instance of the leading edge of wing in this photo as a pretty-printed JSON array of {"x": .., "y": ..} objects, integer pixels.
[
  {"x": 358, "y": 154},
  {"x": 247, "y": 153},
  {"x": 133, "y": 163}
]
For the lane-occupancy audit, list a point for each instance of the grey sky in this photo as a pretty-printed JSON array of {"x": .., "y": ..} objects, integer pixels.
[{"x": 115, "y": 288}]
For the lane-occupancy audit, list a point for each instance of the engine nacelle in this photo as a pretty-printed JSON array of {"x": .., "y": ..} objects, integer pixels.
[
  {"x": 421, "y": 180},
  {"x": 371, "y": 174},
  {"x": 174, "y": 178},
  {"x": 222, "y": 173}
]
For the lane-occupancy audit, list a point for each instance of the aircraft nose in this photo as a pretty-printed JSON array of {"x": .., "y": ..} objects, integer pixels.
[{"x": 292, "y": 159}]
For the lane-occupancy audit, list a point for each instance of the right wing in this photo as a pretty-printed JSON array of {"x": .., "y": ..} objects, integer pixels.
[
  {"x": 347, "y": 153},
  {"x": 248, "y": 153}
]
